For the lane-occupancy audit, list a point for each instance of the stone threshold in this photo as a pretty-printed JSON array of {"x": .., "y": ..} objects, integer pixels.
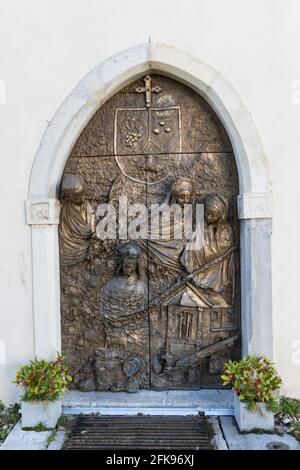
[{"x": 177, "y": 402}]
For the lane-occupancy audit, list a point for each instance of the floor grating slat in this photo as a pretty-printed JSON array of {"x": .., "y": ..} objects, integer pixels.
[{"x": 138, "y": 432}]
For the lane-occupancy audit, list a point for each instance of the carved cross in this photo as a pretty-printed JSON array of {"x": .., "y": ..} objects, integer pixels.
[{"x": 148, "y": 89}]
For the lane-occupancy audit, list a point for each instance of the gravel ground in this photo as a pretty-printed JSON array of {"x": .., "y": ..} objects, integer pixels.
[{"x": 9, "y": 416}]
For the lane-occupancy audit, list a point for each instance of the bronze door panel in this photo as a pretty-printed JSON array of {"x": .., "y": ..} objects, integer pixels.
[{"x": 149, "y": 313}]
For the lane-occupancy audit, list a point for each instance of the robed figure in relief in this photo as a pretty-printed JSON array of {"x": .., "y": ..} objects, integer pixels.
[{"x": 77, "y": 221}]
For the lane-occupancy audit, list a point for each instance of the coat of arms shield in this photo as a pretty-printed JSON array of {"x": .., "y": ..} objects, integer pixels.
[{"x": 144, "y": 132}]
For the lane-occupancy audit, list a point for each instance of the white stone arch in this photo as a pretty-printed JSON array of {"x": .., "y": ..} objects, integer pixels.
[{"x": 254, "y": 200}]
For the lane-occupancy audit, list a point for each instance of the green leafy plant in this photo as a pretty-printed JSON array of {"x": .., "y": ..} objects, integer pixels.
[
  {"x": 289, "y": 405},
  {"x": 40, "y": 427},
  {"x": 296, "y": 430},
  {"x": 43, "y": 380},
  {"x": 62, "y": 421},
  {"x": 254, "y": 380},
  {"x": 51, "y": 438}
]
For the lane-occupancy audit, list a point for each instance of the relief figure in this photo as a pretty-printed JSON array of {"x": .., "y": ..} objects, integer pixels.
[
  {"x": 123, "y": 300},
  {"x": 122, "y": 304},
  {"x": 163, "y": 249},
  {"x": 77, "y": 221},
  {"x": 214, "y": 261}
]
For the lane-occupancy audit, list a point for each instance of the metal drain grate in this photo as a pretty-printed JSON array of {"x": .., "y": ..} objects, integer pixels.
[{"x": 138, "y": 432}]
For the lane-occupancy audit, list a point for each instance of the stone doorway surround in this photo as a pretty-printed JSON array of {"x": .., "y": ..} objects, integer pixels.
[{"x": 254, "y": 200}]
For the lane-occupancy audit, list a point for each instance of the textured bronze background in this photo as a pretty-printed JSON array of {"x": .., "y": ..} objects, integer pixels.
[{"x": 182, "y": 320}]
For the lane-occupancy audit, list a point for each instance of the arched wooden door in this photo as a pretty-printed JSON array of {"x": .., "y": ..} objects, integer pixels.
[{"x": 143, "y": 311}]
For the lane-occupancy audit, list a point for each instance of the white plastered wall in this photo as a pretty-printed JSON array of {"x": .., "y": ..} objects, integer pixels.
[{"x": 46, "y": 47}]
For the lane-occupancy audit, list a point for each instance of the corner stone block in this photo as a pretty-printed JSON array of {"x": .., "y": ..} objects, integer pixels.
[
  {"x": 255, "y": 206},
  {"x": 42, "y": 211}
]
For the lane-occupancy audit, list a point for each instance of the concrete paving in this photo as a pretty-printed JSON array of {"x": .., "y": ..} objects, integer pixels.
[
  {"x": 58, "y": 441},
  {"x": 32, "y": 440},
  {"x": 217, "y": 440},
  {"x": 25, "y": 440},
  {"x": 251, "y": 441}
]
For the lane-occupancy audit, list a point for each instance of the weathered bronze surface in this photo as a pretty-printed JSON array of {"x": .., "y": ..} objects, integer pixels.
[{"x": 150, "y": 313}]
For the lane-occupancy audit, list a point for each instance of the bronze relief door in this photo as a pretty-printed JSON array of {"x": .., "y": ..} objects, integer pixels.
[{"x": 141, "y": 306}]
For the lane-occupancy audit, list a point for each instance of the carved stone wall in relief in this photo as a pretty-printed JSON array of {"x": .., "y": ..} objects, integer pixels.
[{"x": 148, "y": 314}]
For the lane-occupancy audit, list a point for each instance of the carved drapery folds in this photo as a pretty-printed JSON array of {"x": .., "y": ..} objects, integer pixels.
[
  {"x": 150, "y": 313},
  {"x": 77, "y": 221}
]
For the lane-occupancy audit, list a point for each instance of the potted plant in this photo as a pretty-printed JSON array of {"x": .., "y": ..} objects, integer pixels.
[
  {"x": 254, "y": 382},
  {"x": 44, "y": 383}
]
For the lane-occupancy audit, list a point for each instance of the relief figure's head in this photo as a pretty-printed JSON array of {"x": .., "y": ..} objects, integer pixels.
[
  {"x": 129, "y": 258},
  {"x": 182, "y": 191},
  {"x": 74, "y": 188},
  {"x": 215, "y": 209}
]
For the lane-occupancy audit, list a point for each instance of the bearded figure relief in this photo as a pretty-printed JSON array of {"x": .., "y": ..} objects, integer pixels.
[{"x": 122, "y": 306}]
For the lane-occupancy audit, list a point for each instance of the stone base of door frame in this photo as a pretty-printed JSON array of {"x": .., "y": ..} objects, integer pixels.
[{"x": 172, "y": 402}]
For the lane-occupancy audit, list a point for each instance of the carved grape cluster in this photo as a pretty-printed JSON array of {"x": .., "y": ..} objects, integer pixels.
[{"x": 131, "y": 138}]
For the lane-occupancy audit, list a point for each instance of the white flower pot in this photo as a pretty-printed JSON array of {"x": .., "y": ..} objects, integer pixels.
[
  {"x": 248, "y": 420},
  {"x": 35, "y": 412}
]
